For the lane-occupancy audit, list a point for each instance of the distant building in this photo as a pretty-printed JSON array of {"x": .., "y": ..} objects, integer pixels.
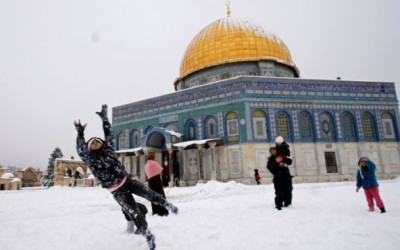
[
  {"x": 72, "y": 173},
  {"x": 238, "y": 89},
  {"x": 10, "y": 180}
]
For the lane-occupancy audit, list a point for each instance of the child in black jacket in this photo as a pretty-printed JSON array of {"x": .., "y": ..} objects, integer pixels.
[
  {"x": 99, "y": 155},
  {"x": 282, "y": 150}
]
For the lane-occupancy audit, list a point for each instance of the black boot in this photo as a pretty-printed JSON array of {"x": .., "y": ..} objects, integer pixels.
[{"x": 382, "y": 210}]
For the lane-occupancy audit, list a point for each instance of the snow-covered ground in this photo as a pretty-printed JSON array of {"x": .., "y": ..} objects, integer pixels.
[{"x": 212, "y": 216}]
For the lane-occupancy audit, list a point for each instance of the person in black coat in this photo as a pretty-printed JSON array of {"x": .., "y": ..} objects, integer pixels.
[{"x": 278, "y": 166}]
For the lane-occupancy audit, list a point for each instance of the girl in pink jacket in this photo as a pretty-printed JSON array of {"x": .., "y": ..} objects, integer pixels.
[{"x": 153, "y": 173}]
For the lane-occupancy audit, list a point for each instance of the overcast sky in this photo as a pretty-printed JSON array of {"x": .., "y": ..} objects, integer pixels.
[{"x": 60, "y": 60}]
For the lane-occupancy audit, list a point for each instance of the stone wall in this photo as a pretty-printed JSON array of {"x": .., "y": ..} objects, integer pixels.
[{"x": 237, "y": 162}]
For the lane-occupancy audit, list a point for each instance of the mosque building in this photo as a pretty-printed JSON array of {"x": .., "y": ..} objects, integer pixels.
[{"x": 238, "y": 89}]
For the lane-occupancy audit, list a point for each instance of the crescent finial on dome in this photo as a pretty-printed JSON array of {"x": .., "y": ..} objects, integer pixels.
[{"x": 228, "y": 9}]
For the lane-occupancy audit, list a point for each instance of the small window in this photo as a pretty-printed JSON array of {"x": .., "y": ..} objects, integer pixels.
[
  {"x": 225, "y": 76},
  {"x": 135, "y": 139},
  {"x": 232, "y": 126},
  {"x": 283, "y": 125},
  {"x": 211, "y": 130},
  {"x": 388, "y": 128},
  {"x": 259, "y": 125},
  {"x": 330, "y": 162},
  {"x": 349, "y": 131},
  {"x": 121, "y": 140},
  {"x": 368, "y": 125},
  {"x": 191, "y": 130},
  {"x": 306, "y": 126}
]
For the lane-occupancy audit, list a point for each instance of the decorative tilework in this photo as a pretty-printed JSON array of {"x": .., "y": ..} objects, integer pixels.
[
  {"x": 293, "y": 95},
  {"x": 273, "y": 128},
  {"x": 317, "y": 127},
  {"x": 339, "y": 128},
  {"x": 220, "y": 124},
  {"x": 379, "y": 121},
  {"x": 359, "y": 126},
  {"x": 200, "y": 129},
  {"x": 295, "y": 124}
]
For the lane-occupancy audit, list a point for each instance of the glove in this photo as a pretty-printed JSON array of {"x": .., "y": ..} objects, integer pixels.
[
  {"x": 79, "y": 127},
  {"x": 103, "y": 112}
]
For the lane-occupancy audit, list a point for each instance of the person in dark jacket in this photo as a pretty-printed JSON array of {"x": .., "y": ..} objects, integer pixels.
[
  {"x": 278, "y": 166},
  {"x": 367, "y": 180},
  {"x": 99, "y": 155},
  {"x": 153, "y": 173}
]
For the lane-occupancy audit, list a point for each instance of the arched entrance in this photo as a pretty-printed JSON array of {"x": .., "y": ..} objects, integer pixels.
[
  {"x": 159, "y": 140},
  {"x": 29, "y": 178}
]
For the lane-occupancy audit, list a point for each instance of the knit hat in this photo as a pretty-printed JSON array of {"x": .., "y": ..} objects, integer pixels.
[
  {"x": 279, "y": 139},
  {"x": 91, "y": 140}
]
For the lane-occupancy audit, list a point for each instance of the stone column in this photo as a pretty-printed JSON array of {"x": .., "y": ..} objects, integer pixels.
[
  {"x": 200, "y": 148},
  {"x": 213, "y": 167},
  {"x": 171, "y": 167},
  {"x": 182, "y": 181},
  {"x": 137, "y": 156}
]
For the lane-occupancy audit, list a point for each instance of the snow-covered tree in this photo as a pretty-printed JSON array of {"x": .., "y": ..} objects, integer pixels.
[
  {"x": 56, "y": 154},
  {"x": 48, "y": 180}
]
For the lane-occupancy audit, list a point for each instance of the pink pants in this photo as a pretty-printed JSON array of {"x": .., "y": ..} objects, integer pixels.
[{"x": 371, "y": 194}]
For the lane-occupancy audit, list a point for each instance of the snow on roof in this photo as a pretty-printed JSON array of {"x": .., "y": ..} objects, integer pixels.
[
  {"x": 7, "y": 176},
  {"x": 197, "y": 142},
  {"x": 173, "y": 133},
  {"x": 69, "y": 160},
  {"x": 16, "y": 180},
  {"x": 130, "y": 150}
]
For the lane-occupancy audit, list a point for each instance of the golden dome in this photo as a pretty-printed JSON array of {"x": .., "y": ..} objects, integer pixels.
[{"x": 230, "y": 40}]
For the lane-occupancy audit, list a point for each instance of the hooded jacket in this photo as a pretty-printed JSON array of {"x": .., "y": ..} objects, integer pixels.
[
  {"x": 103, "y": 162},
  {"x": 366, "y": 175}
]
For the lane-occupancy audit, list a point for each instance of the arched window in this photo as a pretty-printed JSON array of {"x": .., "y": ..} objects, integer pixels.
[
  {"x": 328, "y": 132},
  {"x": 191, "y": 130},
  {"x": 259, "y": 124},
  {"x": 368, "y": 127},
  {"x": 67, "y": 172},
  {"x": 349, "y": 128},
  {"x": 232, "y": 125},
  {"x": 79, "y": 174},
  {"x": 306, "y": 126},
  {"x": 135, "y": 139},
  {"x": 283, "y": 125},
  {"x": 388, "y": 127},
  {"x": 211, "y": 128},
  {"x": 121, "y": 141}
]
